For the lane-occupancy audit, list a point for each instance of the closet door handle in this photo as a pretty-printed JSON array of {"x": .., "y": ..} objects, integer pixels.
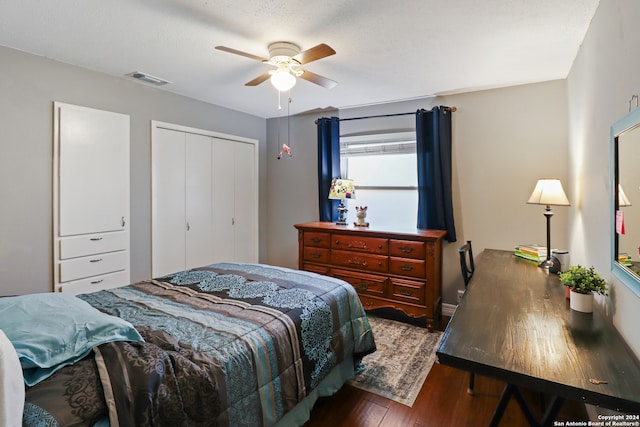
[
  {"x": 123, "y": 222},
  {"x": 233, "y": 221},
  {"x": 188, "y": 226}
]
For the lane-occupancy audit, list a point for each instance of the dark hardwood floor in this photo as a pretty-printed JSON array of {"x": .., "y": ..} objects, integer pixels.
[{"x": 443, "y": 401}]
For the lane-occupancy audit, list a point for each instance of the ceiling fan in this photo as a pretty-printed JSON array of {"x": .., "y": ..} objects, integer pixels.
[{"x": 287, "y": 58}]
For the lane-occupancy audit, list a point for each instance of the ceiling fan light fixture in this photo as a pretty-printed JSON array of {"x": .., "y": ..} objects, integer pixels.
[{"x": 282, "y": 79}]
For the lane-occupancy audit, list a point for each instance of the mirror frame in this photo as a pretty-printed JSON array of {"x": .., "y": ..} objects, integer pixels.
[{"x": 628, "y": 123}]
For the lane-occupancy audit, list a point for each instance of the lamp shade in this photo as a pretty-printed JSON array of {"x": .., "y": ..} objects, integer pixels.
[
  {"x": 549, "y": 192},
  {"x": 623, "y": 200},
  {"x": 282, "y": 79},
  {"x": 342, "y": 189}
]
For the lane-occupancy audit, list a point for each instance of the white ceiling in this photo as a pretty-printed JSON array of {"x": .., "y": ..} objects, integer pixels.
[{"x": 386, "y": 50}]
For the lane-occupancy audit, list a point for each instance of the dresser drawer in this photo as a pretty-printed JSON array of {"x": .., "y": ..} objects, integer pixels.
[
  {"x": 317, "y": 240},
  {"x": 93, "y": 265},
  {"x": 407, "y": 249},
  {"x": 317, "y": 254},
  {"x": 365, "y": 284},
  {"x": 372, "y": 245},
  {"x": 404, "y": 290},
  {"x": 326, "y": 271},
  {"x": 361, "y": 261},
  {"x": 408, "y": 267},
  {"x": 74, "y": 247},
  {"x": 96, "y": 283}
]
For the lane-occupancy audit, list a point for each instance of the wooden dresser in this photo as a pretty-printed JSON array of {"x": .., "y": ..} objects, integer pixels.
[{"x": 401, "y": 270}]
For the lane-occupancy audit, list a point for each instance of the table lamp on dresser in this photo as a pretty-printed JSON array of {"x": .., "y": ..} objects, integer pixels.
[{"x": 342, "y": 189}]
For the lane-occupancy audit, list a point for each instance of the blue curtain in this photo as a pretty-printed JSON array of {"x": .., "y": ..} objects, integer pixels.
[
  {"x": 328, "y": 165},
  {"x": 433, "y": 147}
]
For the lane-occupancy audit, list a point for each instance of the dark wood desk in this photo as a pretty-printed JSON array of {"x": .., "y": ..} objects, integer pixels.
[{"x": 514, "y": 324}]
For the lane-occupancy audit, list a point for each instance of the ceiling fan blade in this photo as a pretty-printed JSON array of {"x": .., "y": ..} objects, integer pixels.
[
  {"x": 315, "y": 53},
  {"x": 260, "y": 79},
  {"x": 318, "y": 79},
  {"x": 241, "y": 53}
]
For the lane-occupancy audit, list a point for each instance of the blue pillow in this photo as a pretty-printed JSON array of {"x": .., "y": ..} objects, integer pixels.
[{"x": 52, "y": 330}]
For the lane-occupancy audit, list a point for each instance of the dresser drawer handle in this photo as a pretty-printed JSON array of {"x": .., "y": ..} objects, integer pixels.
[
  {"x": 406, "y": 293},
  {"x": 406, "y": 268},
  {"x": 357, "y": 245},
  {"x": 95, "y": 282},
  {"x": 316, "y": 240},
  {"x": 357, "y": 261},
  {"x": 315, "y": 256},
  {"x": 362, "y": 288},
  {"x": 95, "y": 260},
  {"x": 95, "y": 239},
  {"x": 406, "y": 250}
]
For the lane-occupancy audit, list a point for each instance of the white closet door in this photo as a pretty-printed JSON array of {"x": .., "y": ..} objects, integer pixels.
[
  {"x": 245, "y": 196},
  {"x": 199, "y": 241},
  {"x": 168, "y": 202},
  {"x": 94, "y": 145},
  {"x": 223, "y": 199}
]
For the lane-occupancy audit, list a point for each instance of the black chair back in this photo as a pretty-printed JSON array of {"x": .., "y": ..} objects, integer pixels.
[{"x": 466, "y": 262}]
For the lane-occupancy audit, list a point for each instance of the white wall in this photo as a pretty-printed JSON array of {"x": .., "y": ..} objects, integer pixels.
[
  {"x": 29, "y": 84},
  {"x": 605, "y": 75},
  {"x": 503, "y": 141}
]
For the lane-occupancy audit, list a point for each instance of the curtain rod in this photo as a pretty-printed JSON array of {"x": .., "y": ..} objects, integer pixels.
[{"x": 451, "y": 109}]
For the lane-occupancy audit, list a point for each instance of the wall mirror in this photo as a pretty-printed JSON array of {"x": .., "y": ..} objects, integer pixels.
[{"x": 625, "y": 199}]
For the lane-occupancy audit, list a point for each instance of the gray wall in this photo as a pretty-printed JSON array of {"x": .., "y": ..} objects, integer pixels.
[
  {"x": 29, "y": 84},
  {"x": 503, "y": 141},
  {"x": 603, "y": 79}
]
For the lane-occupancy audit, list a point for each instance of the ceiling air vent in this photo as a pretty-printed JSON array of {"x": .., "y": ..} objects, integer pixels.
[{"x": 148, "y": 78}]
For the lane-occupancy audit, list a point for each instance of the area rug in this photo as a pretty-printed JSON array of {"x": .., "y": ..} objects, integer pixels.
[{"x": 404, "y": 356}]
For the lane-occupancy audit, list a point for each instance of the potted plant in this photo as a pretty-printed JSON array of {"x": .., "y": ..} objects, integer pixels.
[{"x": 583, "y": 283}]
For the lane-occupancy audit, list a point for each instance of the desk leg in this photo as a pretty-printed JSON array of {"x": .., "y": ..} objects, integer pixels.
[
  {"x": 552, "y": 411},
  {"x": 511, "y": 390},
  {"x": 502, "y": 405}
]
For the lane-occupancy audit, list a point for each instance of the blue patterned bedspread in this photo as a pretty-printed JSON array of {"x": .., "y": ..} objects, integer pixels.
[{"x": 227, "y": 344}]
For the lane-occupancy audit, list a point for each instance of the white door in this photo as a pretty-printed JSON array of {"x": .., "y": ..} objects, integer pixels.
[
  {"x": 168, "y": 217},
  {"x": 245, "y": 207},
  {"x": 223, "y": 199},
  {"x": 93, "y": 171},
  {"x": 199, "y": 241}
]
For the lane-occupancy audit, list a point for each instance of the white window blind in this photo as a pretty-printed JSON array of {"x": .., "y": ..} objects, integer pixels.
[{"x": 384, "y": 170}]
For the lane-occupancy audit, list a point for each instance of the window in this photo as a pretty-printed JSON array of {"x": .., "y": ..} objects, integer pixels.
[{"x": 384, "y": 170}]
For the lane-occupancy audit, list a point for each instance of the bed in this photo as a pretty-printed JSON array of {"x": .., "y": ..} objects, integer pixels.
[{"x": 227, "y": 344}]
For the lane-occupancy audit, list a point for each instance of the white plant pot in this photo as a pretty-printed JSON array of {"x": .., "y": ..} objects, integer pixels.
[{"x": 581, "y": 302}]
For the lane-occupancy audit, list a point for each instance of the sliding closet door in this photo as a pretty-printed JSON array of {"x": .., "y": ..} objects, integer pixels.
[
  {"x": 223, "y": 199},
  {"x": 168, "y": 202},
  {"x": 235, "y": 201},
  {"x": 198, "y": 201},
  {"x": 245, "y": 203},
  {"x": 205, "y": 198}
]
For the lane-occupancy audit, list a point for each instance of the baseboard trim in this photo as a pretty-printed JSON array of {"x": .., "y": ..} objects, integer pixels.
[{"x": 448, "y": 309}]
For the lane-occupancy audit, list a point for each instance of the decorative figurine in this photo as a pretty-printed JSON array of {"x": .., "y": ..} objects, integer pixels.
[
  {"x": 361, "y": 214},
  {"x": 287, "y": 151}
]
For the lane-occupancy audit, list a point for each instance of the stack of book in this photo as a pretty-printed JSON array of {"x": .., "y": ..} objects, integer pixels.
[
  {"x": 624, "y": 258},
  {"x": 532, "y": 252}
]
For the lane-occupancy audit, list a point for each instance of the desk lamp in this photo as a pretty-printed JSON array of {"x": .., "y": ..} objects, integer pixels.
[
  {"x": 548, "y": 192},
  {"x": 342, "y": 189}
]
